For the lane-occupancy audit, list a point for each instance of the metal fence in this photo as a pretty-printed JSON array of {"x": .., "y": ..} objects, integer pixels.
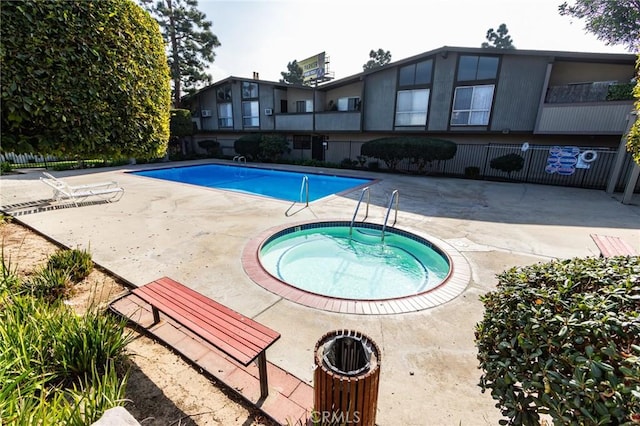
[
  {"x": 478, "y": 156},
  {"x": 536, "y": 159}
]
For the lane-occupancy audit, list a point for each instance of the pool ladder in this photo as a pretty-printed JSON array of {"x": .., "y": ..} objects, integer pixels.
[
  {"x": 304, "y": 189},
  {"x": 395, "y": 195},
  {"x": 355, "y": 213},
  {"x": 240, "y": 159}
]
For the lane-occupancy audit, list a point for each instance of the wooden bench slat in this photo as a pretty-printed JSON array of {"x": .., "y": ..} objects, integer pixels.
[
  {"x": 240, "y": 337},
  {"x": 182, "y": 316},
  {"x": 237, "y": 326},
  {"x": 613, "y": 246},
  {"x": 263, "y": 330}
]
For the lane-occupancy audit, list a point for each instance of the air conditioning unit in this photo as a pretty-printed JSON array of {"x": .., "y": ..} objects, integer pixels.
[
  {"x": 205, "y": 113},
  {"x": 268, "y": 111}
]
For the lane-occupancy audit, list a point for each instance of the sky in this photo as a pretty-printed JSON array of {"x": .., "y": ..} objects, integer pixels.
[{"x": 264, "y": 36}]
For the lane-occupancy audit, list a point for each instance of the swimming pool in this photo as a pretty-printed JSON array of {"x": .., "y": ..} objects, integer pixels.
[
  {"x": 283, "y": 185},
  {"x": 335, "y": 260}
]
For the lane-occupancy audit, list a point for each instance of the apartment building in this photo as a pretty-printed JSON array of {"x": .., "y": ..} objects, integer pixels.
[{"x": 467, "y": 95}]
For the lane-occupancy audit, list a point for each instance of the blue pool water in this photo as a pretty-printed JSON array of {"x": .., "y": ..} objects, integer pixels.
[
  {"x": 278, "y": 184},
  {"x": 327, "y": 259}
]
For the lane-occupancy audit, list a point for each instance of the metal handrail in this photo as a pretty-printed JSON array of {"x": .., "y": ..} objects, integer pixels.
[
  {"x": 394, "y": 194},
  {"x": 355, "y": 213},
  {"x": 240, "y": 159},
  {"x": 304, "y": 187}
]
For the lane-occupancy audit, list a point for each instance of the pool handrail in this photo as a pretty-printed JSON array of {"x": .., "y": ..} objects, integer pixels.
[
  {"x": 395, "y": 194},
  {"x": 355, "y": 213},
  {"x": 240, "y": 159},
  {"x": 304, "y": 187}
]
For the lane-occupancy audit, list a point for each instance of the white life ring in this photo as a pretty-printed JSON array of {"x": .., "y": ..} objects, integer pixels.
[
  {"x": 525, "y": 147},
  {"x": 589, "y": 156}
]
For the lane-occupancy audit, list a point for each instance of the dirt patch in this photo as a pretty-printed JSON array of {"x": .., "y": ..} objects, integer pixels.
[{"x": 163, "y": 389}]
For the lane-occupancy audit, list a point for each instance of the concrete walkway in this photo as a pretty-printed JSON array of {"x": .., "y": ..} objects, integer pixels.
[{"x": 429, "y": 369}]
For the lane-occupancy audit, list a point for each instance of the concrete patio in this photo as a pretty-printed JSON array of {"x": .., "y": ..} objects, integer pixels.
[{"x": 429, "y": 371}]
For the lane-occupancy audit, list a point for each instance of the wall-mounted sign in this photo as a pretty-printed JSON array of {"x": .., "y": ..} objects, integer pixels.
[{"x": 564, "y": 160}]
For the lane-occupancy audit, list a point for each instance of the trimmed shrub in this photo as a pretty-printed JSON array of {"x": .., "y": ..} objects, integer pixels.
[
  {"x": 271, "y": 147},
  {"x": 248, "y": 145},
  {"x": 83, "y": 77},
  {"x": 212, "y": 147},
  {"x": 419, "y": 150},
  {"x": 423, "y": 151},
  {"x": 508, "y": 163},
  {"x": 389, "y": 150},
  {"x": 561, "y": 338}
]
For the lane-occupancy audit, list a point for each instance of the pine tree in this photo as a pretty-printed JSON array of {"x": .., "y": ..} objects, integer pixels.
[
  {"x": 190, "y": 42},
  {"x": 293, "y": 75},
  {"x": 378, "y": 59},
  {"x": 499, "y": 39}
]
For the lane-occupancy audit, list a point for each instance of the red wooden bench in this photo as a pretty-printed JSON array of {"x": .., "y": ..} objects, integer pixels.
[
  {"x": 242, "y": 338},
  {"x": 613, "y": 246}
]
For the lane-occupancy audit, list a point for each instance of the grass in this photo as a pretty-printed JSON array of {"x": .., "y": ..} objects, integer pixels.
[{"x": 56, "y": 367}]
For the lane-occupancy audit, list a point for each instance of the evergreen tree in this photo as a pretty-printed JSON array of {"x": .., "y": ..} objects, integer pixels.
[
  {"x": 378, "y": 59},
  {"x": 293, "y": 75},
  {"x": 190, "y": 42},
  {"x": 499, "y": 38}
]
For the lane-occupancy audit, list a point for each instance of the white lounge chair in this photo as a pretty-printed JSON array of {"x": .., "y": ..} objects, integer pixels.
[{"x": 108, "y": 191}]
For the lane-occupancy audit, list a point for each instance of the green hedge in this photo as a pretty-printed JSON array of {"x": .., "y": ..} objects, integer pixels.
[
  {"x": 419, "y": 150},
  {"x": 83, "y": 77},
  {"x": 562, "y": 338},
  {"x": 508, "y": 163}
]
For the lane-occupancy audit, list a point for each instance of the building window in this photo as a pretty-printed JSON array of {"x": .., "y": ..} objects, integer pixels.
[
  {"x": 304, "y": 106},
  {"x": 349, "y": 104},
  {"x": 223, "y": 93},
  {"x": 472, "y": 105},
  {"x": 249, "y": 90},
  {"x": 225, "y": 116},
  {"x": 416, "y": 74},
  {"x": 301, "y": 142},
  {"x": 411, "y": 107},
  {"x": 471, "y": 68},
  {"x": 250, "y": 114}
]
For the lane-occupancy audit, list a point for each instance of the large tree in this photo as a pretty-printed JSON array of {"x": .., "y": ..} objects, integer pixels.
[
  {"x": 83, "y": 77},
  {"x": 379, "y": 58},
  {"x": 499, "y": 38},
  {"x": 293, "y": 75},
  {"x": 614, "y": 22},
  {"x": 190, "y": 43}
]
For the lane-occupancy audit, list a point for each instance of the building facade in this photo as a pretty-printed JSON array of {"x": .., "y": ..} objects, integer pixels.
[{"x": 467, "y": 95}]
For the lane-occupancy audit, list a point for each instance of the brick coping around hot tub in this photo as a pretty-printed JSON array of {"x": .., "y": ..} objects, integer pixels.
[{"x": 456, "y": 282}]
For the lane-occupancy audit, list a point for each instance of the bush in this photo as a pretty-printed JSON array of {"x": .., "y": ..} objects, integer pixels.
[
  {"x": 83, "y": 77},
  {"x": 76, "y": 263},
  {"x": 271, "y": 147},
  {"x": 423, "y": 151},
  {"x": 562, "y": 338},
  {"x": 248, "y": 145},
  {"x": 508, "y": 163},
  {"x": 389, "y": 150},
  {"x": 5, "y": 167},
  {"x": 212, "y": 147},
  {"x": 419, "y": 150},
  {"x": 620, "y": 92},
  {"x": 49, "y": 284}
]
